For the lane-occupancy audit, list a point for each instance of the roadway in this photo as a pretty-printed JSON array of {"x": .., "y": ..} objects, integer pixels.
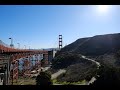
[
  {"x": 98, "y": 65},
  {"x": 55, "y": 75}
]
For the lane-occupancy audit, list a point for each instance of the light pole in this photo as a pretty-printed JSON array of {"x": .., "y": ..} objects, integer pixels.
[
  {"x": 18, "y": 45},
  {"x": 11, "y": 45}
]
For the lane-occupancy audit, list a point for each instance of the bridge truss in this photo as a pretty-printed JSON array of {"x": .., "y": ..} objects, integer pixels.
[{"x": 10, "y": 62}]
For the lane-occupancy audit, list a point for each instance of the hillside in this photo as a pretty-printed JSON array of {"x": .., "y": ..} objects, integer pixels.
[
  {"x": 109, "y": 72},
  {"x": 94, "y": 46},
  {"x": 102, "y": 48},
  {"x": 111, "y": 59},
  {"x": 76, "y": 67}
]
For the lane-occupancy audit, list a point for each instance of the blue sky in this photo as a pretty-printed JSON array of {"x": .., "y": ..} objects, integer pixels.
[{"x": 39, "y": 26}]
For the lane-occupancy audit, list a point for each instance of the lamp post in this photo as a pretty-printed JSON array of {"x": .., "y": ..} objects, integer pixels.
[
  {"x": 11, "y": 45},
  {"x": 18, "y": 45}
]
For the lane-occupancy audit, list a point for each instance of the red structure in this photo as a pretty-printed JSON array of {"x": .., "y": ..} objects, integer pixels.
[
  {"x": 15, "y": 55},
  {"x": 60, "y": 41}
]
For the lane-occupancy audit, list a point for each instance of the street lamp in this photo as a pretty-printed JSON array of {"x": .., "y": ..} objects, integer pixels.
[
  {"x": 11, "y": 45},
  {"x": 18, "y": 45}
]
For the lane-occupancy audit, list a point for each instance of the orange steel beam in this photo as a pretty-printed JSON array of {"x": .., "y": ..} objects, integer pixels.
[
  {"x": 26, "y": 66},
  {"x": 16, "y": 54}
]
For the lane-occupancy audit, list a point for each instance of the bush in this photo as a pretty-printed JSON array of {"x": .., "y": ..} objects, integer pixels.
[
  {"x": 108, "y": 76},
  {"x": 44, "y": 78}
]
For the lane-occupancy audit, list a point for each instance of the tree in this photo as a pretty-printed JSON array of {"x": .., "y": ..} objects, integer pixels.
[
  {"x": 44, "y": 78},
  {"x": 108, "y": 76},
  {"x": 42, "y": 62}
]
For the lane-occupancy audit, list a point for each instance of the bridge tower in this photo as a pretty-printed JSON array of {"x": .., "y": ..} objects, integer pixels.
[{"x": 60, "y": 42}]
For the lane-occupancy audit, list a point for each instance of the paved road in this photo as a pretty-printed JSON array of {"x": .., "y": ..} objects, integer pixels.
[
  {"x": 46, "y": 68},
  {"x": 55, "y": 75},
  {"x": 91, "y": 81},
  {"x": 98, "y": 64}
]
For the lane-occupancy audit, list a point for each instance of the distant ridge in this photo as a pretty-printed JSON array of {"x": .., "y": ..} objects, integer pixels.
[{"x": 94, "y": 46}]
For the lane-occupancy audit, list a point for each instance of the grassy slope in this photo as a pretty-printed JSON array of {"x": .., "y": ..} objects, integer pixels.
[
  {"x": 77, "y": 68},
  {"x": 25, "y": 81}
]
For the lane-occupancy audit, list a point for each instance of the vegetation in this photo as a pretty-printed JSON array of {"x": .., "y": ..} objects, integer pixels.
[
  {"x": 103, "y": 48},
  {"x": 109, "y": 71},
  {"x": 24, "y": 81},
  {"x": 108, "y": 76},
  {"x": 44, "y": 78},
  {"x": 52, "y": 70},
  {"x": 77, "y": 68},
  {"x": 69, "y": 83},
  {"x": 64, "y": 60},
  {"x": 42, "y": 62},
  {"x": 78, "y": 72},
  {"x": 110, "y": 59}
]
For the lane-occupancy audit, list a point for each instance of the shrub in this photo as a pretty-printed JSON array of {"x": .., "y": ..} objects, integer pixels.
[{"x": 44, "y": 78}]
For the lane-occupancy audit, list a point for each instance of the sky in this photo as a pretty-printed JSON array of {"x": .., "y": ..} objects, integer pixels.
[{"x": 39, "y": 26}]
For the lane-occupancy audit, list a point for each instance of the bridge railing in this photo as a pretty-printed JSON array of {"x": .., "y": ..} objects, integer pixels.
[{"x": 6, "y": 48}]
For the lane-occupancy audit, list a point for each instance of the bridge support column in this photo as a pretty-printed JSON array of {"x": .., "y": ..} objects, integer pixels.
[{"x": 15, "y": 71}]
